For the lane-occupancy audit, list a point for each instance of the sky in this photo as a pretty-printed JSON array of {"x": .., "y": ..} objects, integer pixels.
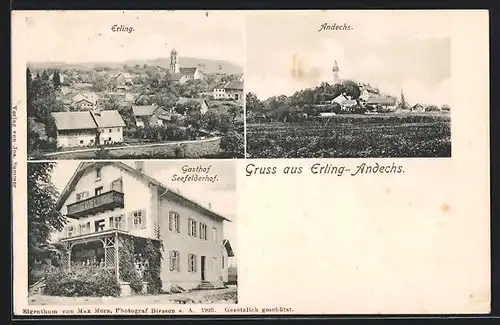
[
  {"x": 221, "y": 194},
  {"x": 76, "y": 37},
  {"x": 391, "y": 50}
]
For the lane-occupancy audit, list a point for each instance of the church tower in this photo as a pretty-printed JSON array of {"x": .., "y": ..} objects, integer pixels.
[
  {"x": 174, "y": 64},
  {"x": 335, "y": 70}
]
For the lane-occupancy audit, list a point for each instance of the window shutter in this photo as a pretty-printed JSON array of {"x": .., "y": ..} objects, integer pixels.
[
  {"x": 189, "y": 227},
  {"x": 171, "y": 264},
  {"x": 143, "y": 219},
  {"x": 178, "y": 261},
  {"x": 170, "y": 217},
  {"x": 178, "y": 222}
]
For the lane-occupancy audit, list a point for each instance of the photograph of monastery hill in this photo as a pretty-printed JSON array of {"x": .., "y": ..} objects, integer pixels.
[
  {"x": 348, "y": 94},
  {"x": 161, "y": 97},
  {"x": 123, "y": 232}
]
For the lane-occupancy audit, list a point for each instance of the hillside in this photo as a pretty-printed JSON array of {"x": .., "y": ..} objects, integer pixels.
[{"x": 205, "y": 65}]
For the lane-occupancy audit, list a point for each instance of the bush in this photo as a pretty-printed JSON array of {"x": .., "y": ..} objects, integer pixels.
[{"x": 81, "y": 282}]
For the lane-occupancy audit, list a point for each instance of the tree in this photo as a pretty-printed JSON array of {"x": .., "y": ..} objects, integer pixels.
[
  {"x": 350, "y": 89},
  {"x": 253, "y": 104},
  {"x": 403, "y": 104},
  {"x": 45, "y": 75},
  {"x": 233, "y": 144},
  {"x": 56, "y": 79},
  {"x": 43, "y": 217}
]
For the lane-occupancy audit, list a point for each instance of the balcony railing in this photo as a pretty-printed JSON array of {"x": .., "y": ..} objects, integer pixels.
[
  {"x": 99, "y": 203},
  {"x": 87, "y": 228}
]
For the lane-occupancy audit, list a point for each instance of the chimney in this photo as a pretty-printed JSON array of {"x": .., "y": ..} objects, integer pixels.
[{"x": 210, "y": 206}]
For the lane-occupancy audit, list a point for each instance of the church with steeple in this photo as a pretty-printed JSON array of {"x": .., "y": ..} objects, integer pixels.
[
  {"x": 335, "y": 71},
  {"x": 182, "y": 74}
]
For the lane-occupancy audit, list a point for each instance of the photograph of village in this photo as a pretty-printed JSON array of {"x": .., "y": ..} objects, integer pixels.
[
  {"x": 169, "y": 92},
  {"x": 131, "y": 232},
  {"x": 355, "y": 91}
]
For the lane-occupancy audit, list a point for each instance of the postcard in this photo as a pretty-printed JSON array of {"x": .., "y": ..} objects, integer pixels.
[{"x": 250, "y": 162}]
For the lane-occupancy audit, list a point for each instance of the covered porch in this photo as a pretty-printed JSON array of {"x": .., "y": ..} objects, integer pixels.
[{"x": 113, "y": 250}]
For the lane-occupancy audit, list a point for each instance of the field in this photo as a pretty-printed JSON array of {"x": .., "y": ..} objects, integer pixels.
[{"x": 353, "y": 136}]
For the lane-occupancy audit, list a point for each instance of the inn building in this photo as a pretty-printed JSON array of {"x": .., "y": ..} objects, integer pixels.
[{"x": 107, "y": 203}]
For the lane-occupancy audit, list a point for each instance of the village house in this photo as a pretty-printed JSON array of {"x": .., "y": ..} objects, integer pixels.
[
  {"x": 110, "y": 126},
  {"x": 84, "y": 100},
  {"x": 88, "y": 128},
  {"x": 348, "y": 105},
  {"x": 229, "y": 90},
  {"x": 386, "y": 103},
  {"x": 367, "y": 92},
  {"x": 108, "y": 204},
  {"x": 123, "y": 78},
  {"x": 339, "y": 99},
  {"x": 418, "y": 108},
  {"x": 150, "y": 114},
  {"x": 75, "y": 129},
  {"x": 228, "y": 255}
]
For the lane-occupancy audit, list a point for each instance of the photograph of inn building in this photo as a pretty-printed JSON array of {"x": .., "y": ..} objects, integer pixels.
[{"x": 110, "y": 204}]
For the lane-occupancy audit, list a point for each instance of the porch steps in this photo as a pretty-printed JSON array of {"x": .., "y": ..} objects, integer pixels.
[
  {"x": 208, "y": 285},
  {"x": 37, "y": 287}
]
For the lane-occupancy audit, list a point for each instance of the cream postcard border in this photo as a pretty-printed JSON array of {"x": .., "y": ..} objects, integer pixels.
[{"x": 469, "y": 165}]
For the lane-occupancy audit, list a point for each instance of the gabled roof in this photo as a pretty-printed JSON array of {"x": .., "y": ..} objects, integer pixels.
[
  {"x": 187, "y": 71},
  {"x": 229, "y": 249},
  {"x": 88, "y": 96},
  {"x": 143, "y": 110},
  {"x": 166, "y": 191},
  {"x": 236, "y": 85},
  {"x": 74, "y": 120},
  {"x": 382, "y": 100},
  {"x": 81, "y": 85},
  {"x": 126, "y": 75},
  {"x": 109, "y": 118}
]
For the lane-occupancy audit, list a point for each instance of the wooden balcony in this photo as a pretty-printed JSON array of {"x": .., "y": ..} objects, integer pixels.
[{"x": 99, "y": 203}]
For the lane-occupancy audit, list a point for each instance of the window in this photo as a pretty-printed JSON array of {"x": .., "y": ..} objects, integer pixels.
[
  {"x": 192, "y": 263},
  {"x": 81, "y": 141},
  {"x": 82, "y": 196},
  {"x": 98, "y": 174},
  {"x": 174, "y": 261},
  {"x": 214, "y": 234},
  {"x": 222, "y": 261},
  {"x": 117, "y": 222},
  {"x": 173, "y": 221},
  {"x": 98, "y": 190},
  {"x": 71, "y": 230},
  {"x": 118, "y": 130},
  {"x": 203, "y": 231},
  {"x": 192, "y": 227},
  {"x": 138, "y": 219},
  {"x": 99, "y": 225},
  {"x": 110, "y": 130}
]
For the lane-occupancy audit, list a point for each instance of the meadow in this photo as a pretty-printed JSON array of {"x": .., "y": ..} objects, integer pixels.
[{"x": 422, "y": 135}]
